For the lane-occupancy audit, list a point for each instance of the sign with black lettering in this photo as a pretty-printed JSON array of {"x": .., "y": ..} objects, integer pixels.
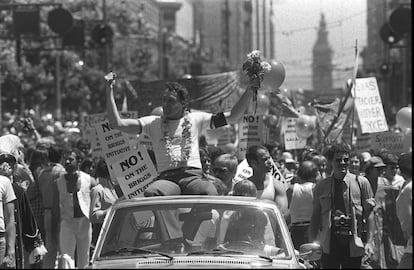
[
  {"x": 369, "y": 105},
  {"x": 131, "y": 167},
  {"x": 250, "y": 133},
  {"x": 392, "y": 141},
  {"x": 292, "y": 141}
]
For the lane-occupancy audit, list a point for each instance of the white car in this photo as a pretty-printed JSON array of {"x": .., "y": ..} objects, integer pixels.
[{"x": 198, "y": 232}]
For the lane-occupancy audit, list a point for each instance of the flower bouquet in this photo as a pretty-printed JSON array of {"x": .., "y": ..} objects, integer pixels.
[{"x": 255, "y": 69}]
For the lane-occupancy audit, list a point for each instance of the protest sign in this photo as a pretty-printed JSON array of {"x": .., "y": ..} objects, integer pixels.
[
  {"x": 244, "y": 171},
  {"x": 392, "y": 141},
  {"x": 132, "y": 168},
  {"x": 250, "y": 133},
  {"x": 369, "y": 106},
  {"x": 89, "y": 132},
  {"x": 292, "y": 141}
]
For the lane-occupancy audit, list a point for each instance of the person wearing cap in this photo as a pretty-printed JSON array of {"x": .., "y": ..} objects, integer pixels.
[
  {"x": 342, "y": 218},
  {"x": 374, "y": 169},
  {"x": 389, "y": 243},
  {"x": 404, "y": 209}
]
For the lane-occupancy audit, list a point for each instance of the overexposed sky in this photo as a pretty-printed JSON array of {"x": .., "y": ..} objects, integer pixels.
[{"x": 296, "y": 24}]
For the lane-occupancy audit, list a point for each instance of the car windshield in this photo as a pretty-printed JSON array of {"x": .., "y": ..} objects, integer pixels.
[{"x": 194, "y": 229}]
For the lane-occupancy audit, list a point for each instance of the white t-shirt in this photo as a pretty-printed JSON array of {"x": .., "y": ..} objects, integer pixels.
[
  {"x": 7, "y": 195},
  {"x": 152, "y": 126}
]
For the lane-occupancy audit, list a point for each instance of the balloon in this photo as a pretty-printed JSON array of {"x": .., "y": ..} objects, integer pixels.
[
  {"x": 404, "y": 117},
  {"x": 275, "y": 77},
  {"x": 272, "y": 120},
  {"x": 305, "y": 126},
  {"x": 263, "y": 103},
  {"x": 158, "y": 111},
  {"x": 301, "y": 110}
]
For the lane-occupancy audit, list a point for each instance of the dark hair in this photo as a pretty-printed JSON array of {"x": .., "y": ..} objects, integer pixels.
[
  {"x": 86, "y": 163},
  {"x": 214, "y": 152},
  {"x": 76, "y": 151},
  {"x": 336, "y": 148},
  {"x": 180, "y": 91},
  {"x": 245, "y": 188},
  {"x": 101, "y": 169},
  {"x": 252, "y": 152},
  {"x": 38, "y": 157},
  {"x": 55, "y": 154},
  {"x": 308, "y": 171}
]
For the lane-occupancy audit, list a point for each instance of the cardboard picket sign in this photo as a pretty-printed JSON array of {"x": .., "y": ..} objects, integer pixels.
[
  {"x": 369, "y": 105},
  {"x": 132, "y": 168},
  {"x": 292, "y": 141},
  {"x": 89, "y": 133},
  {"x": 244, "y": 171},
  {"x": 392, "y": 141},
  {"x": 250, "y": 133}
]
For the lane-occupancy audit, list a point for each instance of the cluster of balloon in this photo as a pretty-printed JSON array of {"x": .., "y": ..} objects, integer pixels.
[
  {"x": 403, "y": 118},
  {"x": 157, "y": 111},
  {"x": 305, "y": 126}
]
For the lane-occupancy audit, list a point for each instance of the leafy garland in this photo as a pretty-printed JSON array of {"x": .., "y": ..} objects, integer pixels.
[{"x": 185, "y": 140}]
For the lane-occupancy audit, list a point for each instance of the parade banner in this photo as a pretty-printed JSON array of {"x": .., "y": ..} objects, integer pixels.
[
  {"x": 292, "y": 141},
  {"x": 132, "y": 168},
  {"x": 369, "y": 106},
  {"x": 392, "y": 141},
  {"x": 250, "y": 133}
]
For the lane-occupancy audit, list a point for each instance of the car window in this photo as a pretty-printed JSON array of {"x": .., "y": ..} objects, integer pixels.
[{"x": 184, "y": 228}]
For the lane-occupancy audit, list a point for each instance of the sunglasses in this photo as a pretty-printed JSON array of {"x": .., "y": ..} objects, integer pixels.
[
  {"x": 218, "y": 170},
  {"x": 339, "y": 160},
  {"x": 10, "y": 159}
]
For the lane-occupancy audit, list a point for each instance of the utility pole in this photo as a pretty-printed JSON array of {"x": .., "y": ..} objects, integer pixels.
[{"x": 106, "y": 48}]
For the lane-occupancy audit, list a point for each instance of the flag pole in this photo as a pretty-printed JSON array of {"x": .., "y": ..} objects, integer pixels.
[{"x": 354, "y": 92}]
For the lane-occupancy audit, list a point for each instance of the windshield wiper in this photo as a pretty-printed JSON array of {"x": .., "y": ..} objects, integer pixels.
[
  {"x": 216, "y": 251},
  {"x": 135, "y": 250},
  {"x": 221, "y": 251}
]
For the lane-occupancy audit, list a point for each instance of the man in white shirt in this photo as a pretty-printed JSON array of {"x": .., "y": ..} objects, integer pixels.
[{"x": 175, "y": 138}]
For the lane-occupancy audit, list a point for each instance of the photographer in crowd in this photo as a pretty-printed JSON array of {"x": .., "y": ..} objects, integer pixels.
[{"x": 342, "y": 213}]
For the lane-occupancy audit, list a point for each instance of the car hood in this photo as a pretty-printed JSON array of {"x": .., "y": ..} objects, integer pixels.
[{"x": 199, "y": 262}]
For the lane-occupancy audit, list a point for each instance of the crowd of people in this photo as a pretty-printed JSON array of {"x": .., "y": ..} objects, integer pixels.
[{"x": 55, "y": 195}]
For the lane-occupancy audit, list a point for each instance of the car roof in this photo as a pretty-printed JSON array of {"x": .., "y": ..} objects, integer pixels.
[{"x": 194, "y": 199}]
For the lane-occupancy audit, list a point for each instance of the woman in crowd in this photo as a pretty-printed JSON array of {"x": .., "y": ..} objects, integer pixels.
[{"x": 103, "y": 196}]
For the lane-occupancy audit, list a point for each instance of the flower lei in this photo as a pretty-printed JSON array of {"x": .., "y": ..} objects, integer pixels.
[
  {"x": 254, "y": 67},
  {"x": 185, "y": 141}
]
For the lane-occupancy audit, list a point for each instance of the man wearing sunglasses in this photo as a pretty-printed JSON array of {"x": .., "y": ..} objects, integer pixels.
[
  {"x": 7, "y": 221},
  {"x": 342, "y": 213}
]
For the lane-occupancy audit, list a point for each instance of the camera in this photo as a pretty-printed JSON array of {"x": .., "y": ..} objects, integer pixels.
[{"x": 341, "y": 224}]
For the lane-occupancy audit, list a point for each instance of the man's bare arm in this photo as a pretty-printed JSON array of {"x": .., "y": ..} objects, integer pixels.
[
  {"x": 132, "y": 126},
  {"x": 242, "y": 104}
]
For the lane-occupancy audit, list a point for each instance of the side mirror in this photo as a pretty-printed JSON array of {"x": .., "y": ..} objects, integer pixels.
[{"x": 310, "y": 252}]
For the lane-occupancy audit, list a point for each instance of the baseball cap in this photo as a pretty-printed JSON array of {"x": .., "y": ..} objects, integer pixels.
[{"x": 376, "y": 162}]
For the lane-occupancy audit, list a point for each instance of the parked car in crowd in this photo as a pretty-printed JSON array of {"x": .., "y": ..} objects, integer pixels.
[{"x": 198, "y": 232}]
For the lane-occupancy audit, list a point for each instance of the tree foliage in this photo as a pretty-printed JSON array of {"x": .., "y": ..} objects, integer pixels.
[{"x": 31, "y": 82}]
